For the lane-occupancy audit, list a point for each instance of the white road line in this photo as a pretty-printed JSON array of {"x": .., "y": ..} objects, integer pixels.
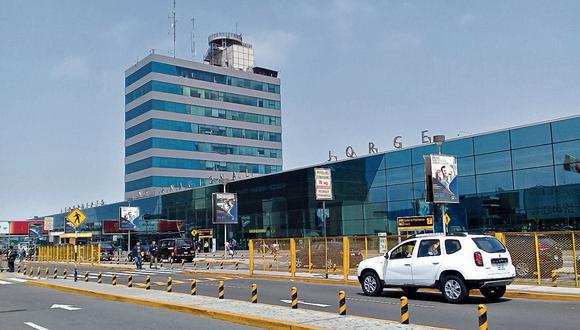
[
  {"x": 5, "y": 283},
  {"x": 35, "y": 326},
  {"x": 17, "y": 279},
  {"x": 305, "y": 303}
]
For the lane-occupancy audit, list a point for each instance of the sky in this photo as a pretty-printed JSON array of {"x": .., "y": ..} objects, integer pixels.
[{"x": 352, "y": 72}]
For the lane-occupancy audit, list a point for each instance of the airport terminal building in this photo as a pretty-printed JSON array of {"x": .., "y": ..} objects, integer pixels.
[{"x": 519, "y": 179}]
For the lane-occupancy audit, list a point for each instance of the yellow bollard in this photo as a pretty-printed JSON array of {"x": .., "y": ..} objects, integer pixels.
[
  {"x": 46, "y": 271},
  {"x": 169, "y": 284},
  {"x": 130, "y": 281},
  {"x": 341, "y": 303},
  {"x": 482, "y": 309},
  {"x": 193, "y": 287},
  {"x": 236, "y": 265},
  {"x": 148, "y": 282},
  {"x": 294, "y": 297},
  {"x": 100, "y": 278},
  {"x": 554, "y": 278},
  {"x": 182, "y": 264},
  {"x": 64, "y": 274},
  {"x": 254, "y": 293},
  {"x": 114, "y": 280},
  {"x": 221, "y": 290},
  {"x": 404, "y": 310},
  {"x": 86, "y": 276},
  {"x": 55, "y": 273}
]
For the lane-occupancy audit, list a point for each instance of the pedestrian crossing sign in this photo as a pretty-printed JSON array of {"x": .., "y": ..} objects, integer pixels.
[
  {"x": 193, "y": 232},
  {"x": 447, "y": 219},
  {"x": 76, "y": 217}
]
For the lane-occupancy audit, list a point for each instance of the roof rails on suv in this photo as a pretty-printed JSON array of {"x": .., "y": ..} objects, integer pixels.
[{"x": 462, "y": 234}]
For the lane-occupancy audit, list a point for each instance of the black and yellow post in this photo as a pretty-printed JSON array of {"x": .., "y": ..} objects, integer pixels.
[
  {"x": 554, "y": 278},
  {"x": 254, "y": 293},
  {"x": 404, "y": 310},
  {"x": 55, "y": 273},
  {"x": 76, "y": 274},
  {"x": 114, "y": 279},
  {"x": 270, "y": 266},
  {"x": 236, "y": 265},
  {"x": 64, "y": 274},
  {"x": 482, "y": 317},
  {"x": 100, "y": 278},
  {"x": 294, "y": 297},
  {"x": 207, "y": 265},
  {"x": 193, "y": 287},
  {"x": 46, "y": 271},
  {"x": 31, "y": 271},
  {"x": 24, "y": 270},
  {"x": 130, "y": 281},
  {"x": 161, "y": 263},
  {"x": 148, "y": 282},
  {"x": 194, "y": 264},
  {"x": 182, "y": 264},
  {"x": 341, "y": 303},
  {"x": 169, "y": 284},
  {"x": 18, "y": 268},
  {"x": 222, "y": 264},
  {"x": 221, "y": 290},
  {"x": 86, "y": 276}
]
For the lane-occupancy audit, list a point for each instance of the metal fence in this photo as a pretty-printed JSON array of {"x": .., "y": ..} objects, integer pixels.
[
  {"x": 70, "y": 253},
  {"x": 542, "y": 258}
]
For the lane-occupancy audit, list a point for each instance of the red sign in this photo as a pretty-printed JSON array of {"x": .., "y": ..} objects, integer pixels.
[{"x": 21, "y": 227}]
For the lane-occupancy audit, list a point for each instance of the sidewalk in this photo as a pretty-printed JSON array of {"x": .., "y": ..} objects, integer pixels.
[{"x": 261, "y": 315}]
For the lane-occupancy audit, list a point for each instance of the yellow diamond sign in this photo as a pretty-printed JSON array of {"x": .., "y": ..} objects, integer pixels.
[
  {"x": 447, "y": 219},
  {"x": 193, "y": 232},
  {"x": 76, "y": 217}
]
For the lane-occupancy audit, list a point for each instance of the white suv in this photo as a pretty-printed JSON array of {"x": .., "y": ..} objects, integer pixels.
[{"x": 453, "y": 263}]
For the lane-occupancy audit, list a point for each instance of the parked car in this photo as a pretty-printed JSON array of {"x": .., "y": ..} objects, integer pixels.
[
  {"x": 176, "y": 248},
  {"x": 318, "y": 255},
  {"x": 454, "y": 263},
  {"x": 107, "y": 251},
  {"x": 524, "y": 254}
]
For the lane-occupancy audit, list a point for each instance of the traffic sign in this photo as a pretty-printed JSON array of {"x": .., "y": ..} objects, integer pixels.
[
  {"x": 447, "y": 219},
  {"x": 76, "y": 217},
  {"x": 193, "y": 232}
]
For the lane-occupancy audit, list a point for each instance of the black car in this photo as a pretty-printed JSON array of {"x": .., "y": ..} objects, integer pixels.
[{"x": 176, "y": 248}]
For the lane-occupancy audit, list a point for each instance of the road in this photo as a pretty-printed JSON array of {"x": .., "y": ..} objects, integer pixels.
[
  {"x": 27, "y": 307},
  {"x": 426, "y": 308}
]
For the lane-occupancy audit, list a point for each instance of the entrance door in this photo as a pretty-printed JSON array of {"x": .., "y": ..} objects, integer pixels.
[{"x": 398, "y": 269}]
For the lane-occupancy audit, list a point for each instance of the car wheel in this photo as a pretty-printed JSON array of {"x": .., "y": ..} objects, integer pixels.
[
  {"x": 493, "y": 293},
  {"x": 453, "y": 289},
  {"x": 523, "y": 269},
  {"x": 298, "y": 263},
  {"x": 371, "y": 284},
  {"x": 409, "y": 290}
]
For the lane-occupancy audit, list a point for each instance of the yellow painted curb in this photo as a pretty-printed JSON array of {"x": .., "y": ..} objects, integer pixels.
[
  {"x": 205, "y": 312},
  {"x": 274, "y": 277}
]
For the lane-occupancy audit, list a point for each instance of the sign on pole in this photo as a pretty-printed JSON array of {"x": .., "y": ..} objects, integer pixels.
[
  {"x": 129, "y": 217},
  {"x": 48, "y": 223},
  {"x": 441, "y": 179},
  {"x": 225, "y": 208},
  {"x": 76, "y": 217},
  {"x": 415, "y": 223},
  {"x": 323, "y": 184}
]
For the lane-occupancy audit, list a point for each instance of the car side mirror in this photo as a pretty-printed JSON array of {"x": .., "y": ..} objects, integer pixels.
[{"x": 387, "y": 256}]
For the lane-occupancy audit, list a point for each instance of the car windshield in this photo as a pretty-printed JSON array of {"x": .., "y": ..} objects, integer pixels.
[
  {"x": 106, "y": 246},
  {"x": 182, "y": 242},
  {"x": 489, "y": 244}
]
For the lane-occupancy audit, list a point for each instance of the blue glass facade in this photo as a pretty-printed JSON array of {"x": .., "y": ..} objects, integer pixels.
[{"x": 196, "y": 164}]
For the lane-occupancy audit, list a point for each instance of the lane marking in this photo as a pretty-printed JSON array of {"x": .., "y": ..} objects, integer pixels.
[
  {"x": 67, "y": 307},
  {"x": 35, "y": 326},
  {"x": 305, "y": 303},
  {"x": 17, "y": 279},
  {"x": 5, "y": 283},
  {"x": 388, "y": 302}
]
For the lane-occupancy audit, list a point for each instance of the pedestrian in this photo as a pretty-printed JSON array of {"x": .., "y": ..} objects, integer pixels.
[
  {"x": 11, "y": 257},
  {"x": 153, "y": 253},
  {"x": 234, "y": 246},
  {"x": 206, "y": 246},
  {"x": 138, "y": 255},
  {"x": 21, "y": 254}
]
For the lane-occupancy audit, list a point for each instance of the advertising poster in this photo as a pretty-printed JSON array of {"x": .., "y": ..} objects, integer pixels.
[
  {"x": 441, "y": 179},
  {"x": 35, "y": 231},
  {"x": 129, "y": 217},
  {"x": 225, "y": 208},
  {"x": 4, "y": 227}
]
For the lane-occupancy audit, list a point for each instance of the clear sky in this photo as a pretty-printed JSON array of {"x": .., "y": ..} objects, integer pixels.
[{"x": 352, "y": 72}]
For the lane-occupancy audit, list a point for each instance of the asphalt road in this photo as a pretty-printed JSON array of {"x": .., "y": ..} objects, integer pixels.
[
  {"x": 27, "y": 307},
  {"x": 425, "y": 308}
]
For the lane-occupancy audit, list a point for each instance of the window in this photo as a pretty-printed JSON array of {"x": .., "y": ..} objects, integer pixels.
[
  {"x": 466, "y": 185},
  {"x": 494, "y": 182},
  {"x": 452, "y": 246},
  {"x": 531, "y": 136},
  {"x": 429, "y": 248},
  {"x": 565, "y": 130},
  {"x": 403, "y": 251},
  {"x": 489, "y": 244},
  {"x": 564, "y": 177},
  {"x": 418, "y": 152},
  {"x": 400, "y": 192},
  {"x": 491, "y": 142},
  {"x": 399, "y": 175},
  {"x": 495, "y": 162},
  {"x": 465, "y": 166},
  {"x": 532, "y": 157},
  {"x": 459, "y": 148},
  {"x": 398, "y": 158},
  {"x": 534, "y": 177},
  {"x": 561, "y": 150}
]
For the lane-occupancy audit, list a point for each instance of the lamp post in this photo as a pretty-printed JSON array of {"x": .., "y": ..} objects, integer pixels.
[{"x": 439, "y": 139}]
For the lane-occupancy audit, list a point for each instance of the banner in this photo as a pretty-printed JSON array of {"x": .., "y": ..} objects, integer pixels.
[
  {"x": 225, "y": 208},
  {"x": 441, "y": 179},
  {"x": 35, "y": 231},
  {"x": 129, "y": 217},
  {"x": 4, "y": 227},
  {"x": 48, "y": 223}
]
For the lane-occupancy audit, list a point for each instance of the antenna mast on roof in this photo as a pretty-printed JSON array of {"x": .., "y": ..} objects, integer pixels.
[
  {"x": 173, "y": 24},
  {"x": 193, "y": 38}
]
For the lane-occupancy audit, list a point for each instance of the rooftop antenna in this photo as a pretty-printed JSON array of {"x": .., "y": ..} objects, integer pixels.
[
  {"x": 193, "y": 37},
  {"x": 173, "y": 24},
  {"x": 236, "y": 27}
]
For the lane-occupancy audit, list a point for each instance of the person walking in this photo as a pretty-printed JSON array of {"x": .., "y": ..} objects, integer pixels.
[
  {"x": 11, "y": 258},
  {"x": 21, "y": 254},
  {"x": 138, "y": 255},
  {"x": 153, "y": 253},
  {"x": 234, "y": 245}
]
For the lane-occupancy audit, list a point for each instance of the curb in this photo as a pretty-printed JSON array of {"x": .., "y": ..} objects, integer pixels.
[{"x": 209, "y": 313}]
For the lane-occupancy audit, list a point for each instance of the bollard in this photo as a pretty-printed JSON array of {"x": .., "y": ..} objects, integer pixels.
[
  {"x": 114, "y": 280},
  {"x": 404, "y": 310},
  {"x": 182, "y": 264},
  {"x": 148, "y": 282},
  {"x": 24, "y": 272},
  {"x": 222, "y": 264},
  {"x": 270, "y": 267},
  {"x": 254, "y": 293},
  {"x": 76, "y": 275},
  {"x": 194, "y": 264},
  {"x": 169, "y": 284},
  {"x": 38, "y": 272},
  {"x": 100, "y": 278},
  {"x": 55, "y": 273},
  {"x": 221, "y": 290},
  {"x": 161, "y": 266},
  {"x": 236, "y": 265},
  {"x": 171, "y": 262},
  {"x": 554, "y": 278},
  {"x": 207, "y": 266},
  {"x": 64, "y": 274},
  {"x": 86, "y": 276},
  {"x": 341, "y": 303},
  {"x": 18, "y": 268},
  {"x": 46, "y": 271},
  {"x": 482, "y": 309},
  {"x": 130, "y": 281},
  {"x": 193, "y": 287},
  {"x": 294, "y": 297},
  {"x": 31, "y": 271}
]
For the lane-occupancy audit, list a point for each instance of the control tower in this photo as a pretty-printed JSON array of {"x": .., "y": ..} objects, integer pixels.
[{"x": 228, "y": 50}]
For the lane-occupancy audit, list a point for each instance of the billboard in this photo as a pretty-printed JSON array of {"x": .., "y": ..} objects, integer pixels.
[
  {"x": 129, "y": 217},
  {"x": 323, "y": 184},
  {"x": 49, "y": 223},
  {"x": 225, "y": 208},
  {"x": 35, "y": 231},
  {"x": 4, "y": 227},
  {"x": 441, "y": 179}
]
